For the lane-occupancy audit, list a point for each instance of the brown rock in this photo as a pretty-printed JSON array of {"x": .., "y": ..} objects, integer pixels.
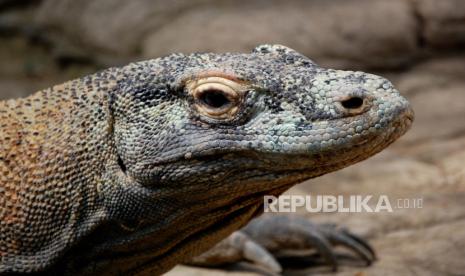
[
  {"x": 444, "y": 22},
  {"x": 436, "y": 91},
  {"x": 111, "y": 27},
  {"x": 338, "y": 33},
  {"x": 335, "y": 33}
]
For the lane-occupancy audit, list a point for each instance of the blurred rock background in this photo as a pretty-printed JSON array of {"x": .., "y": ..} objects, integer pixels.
[{"x": 418, "y": 44}]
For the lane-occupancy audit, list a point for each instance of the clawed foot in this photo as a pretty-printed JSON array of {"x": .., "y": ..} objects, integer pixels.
[{"x": 266, "y": 238}]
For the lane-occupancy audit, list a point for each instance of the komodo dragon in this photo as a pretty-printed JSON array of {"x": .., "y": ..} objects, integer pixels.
[{"x": 136, "y": 169}]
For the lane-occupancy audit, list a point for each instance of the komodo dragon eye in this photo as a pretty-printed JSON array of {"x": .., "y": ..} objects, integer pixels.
[{"x": 216, "y": 97}]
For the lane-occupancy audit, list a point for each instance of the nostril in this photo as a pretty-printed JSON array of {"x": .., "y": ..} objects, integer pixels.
[{"x": 352, "y": 103}]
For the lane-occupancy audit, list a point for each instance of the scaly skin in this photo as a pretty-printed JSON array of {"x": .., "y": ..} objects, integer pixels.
[{"x": 136, "y": 169}]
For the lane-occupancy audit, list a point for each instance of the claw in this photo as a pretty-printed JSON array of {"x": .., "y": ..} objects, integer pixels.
[
  {"x": 349, "y": 242},
  {"x": 255, "y": 253},
  {"x": 363, "y": 243},
  {"x": 322, "y": 245},
  {"x": 235, "y": 248}
]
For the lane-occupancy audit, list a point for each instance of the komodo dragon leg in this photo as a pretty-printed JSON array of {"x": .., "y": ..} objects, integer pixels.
[{"x": 267, "y": 238}]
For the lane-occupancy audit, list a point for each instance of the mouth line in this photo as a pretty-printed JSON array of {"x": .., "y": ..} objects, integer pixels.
[
  {"x": 402, "y": 124},
  {"x": 410, "y": 117},
  {"x": 244, "y": 154}
]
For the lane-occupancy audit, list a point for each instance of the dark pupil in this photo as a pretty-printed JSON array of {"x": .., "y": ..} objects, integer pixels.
[{"x": 214, "y": 98}]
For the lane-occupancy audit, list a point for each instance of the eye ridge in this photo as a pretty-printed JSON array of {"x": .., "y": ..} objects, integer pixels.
[{"x": 215, "y": 98}]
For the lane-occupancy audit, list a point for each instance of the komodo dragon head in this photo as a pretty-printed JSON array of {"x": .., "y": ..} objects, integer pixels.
[
  {"x": 196, "y": 141},
  {"x": 201, "y": 138}
]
